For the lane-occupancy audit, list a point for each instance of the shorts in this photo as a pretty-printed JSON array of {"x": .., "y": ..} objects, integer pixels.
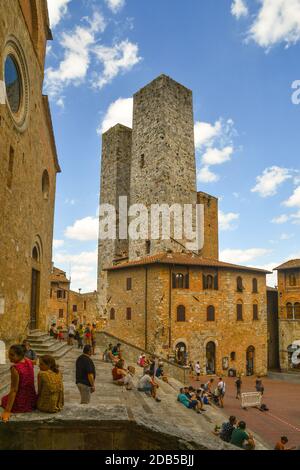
[
  {"x": 146, "y": 389},
  {"x": 198, "y": 374},
  {"x": 71, "y": 336},
  {"x": 193, "y": 404}
]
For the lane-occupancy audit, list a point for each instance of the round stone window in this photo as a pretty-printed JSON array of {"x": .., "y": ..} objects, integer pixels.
[
  {"x": 15, "y": 76},
  {"x": 13, "y": 84}
]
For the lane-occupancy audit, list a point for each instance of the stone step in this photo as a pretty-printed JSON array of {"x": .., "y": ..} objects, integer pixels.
[
  {"x": 38, "y": 338},
  {"x": 50, "y": 349},
  {"x": 44, "y": 344}
]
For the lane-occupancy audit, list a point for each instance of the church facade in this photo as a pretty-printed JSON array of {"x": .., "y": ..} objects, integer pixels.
[{"x": 28, "y": 169}]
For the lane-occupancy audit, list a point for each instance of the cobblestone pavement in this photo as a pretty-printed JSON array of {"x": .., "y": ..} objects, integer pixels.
[{"x": 283, "y": 401}]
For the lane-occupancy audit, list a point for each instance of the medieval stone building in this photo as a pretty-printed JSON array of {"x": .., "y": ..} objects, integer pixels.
[
  {"x": 158, "y": 293},
  {"x": 66, "y": 305},
  {"x": 28, "y": 168},
  {"x": 289, "y": 312}
]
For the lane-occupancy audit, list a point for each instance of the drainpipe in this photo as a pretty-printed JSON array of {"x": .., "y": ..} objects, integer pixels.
[{"x": 146, "y": 308}]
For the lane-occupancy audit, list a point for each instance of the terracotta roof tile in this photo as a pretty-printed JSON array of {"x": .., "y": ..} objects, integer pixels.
[
  {"x": 183, "y": 259},
  {"x": 293, "y": 263}
]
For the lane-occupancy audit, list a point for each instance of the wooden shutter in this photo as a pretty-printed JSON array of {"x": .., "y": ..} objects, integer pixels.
[
  {"x": 216, "y": 282},
  {"x": 204, "y": 281},
  {"x": 173, "y": 280},
  {"x": 128, "y": 313},
  {"x": 255, "y": 312},
  {"x": 187, "y": 281},
  {"x": 129, "y": 283}
]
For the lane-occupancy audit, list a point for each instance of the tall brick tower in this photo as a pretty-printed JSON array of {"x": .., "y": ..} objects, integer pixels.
[
  {"x": 115, "y": 182},
  {"x": 163, "y": 168}
]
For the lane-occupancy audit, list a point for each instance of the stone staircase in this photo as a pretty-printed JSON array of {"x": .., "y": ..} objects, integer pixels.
[{"x": 42, "y": 344}]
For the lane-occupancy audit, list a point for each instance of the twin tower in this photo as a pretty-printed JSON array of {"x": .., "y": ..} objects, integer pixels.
[{"x": 153, "y": 163}]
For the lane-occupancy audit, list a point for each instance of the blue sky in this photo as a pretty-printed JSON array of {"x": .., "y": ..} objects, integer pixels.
[{"x": 239, "y": 57}]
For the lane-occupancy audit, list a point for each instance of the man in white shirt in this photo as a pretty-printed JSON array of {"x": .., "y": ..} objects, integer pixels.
[
  {"x": 221, "y": 388},
  {"x": 146, "y": 384},
  {"x": 197, "y": 370}
]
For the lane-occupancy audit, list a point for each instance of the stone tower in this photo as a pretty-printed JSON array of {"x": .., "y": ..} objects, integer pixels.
[
  {"x": 163, "y": 168},
  {"x": 115, "y": 182},
  {"x": 210, "y": 248}
]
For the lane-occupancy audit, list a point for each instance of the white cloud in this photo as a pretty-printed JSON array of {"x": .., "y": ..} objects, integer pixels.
[
  {"x": 214, "y": 143},
  {"x": 84, "y": 229},
  {"x": 77, "y": 49},
  {"x": 226, "y": 221},
  {"x": 121, "y": 57},
  {"x": 276, "y": 21},
  {"x": 214, "y": 156},
  {"x": 57, "y": 10},
  {"x": 296, "y": 218},
  {"x": 115, "y": 5},
  {"x": 239, "y": 8},
  {"x": 119, "y": 112},
  {"x": 268, "y": 183},
  {"x": 82, "y": 268},
  {"x": 271, "y": 278},
  {"x": 294, "y": 200},
  {"x": 236, "y": 256},
  {"x": 286, "y": 236},
  {"x": 204, "y": 175},
  {"x": 281, "y": 219},
  {"x": 205, "y": 133},
  {"x": 58, "y": 243}
]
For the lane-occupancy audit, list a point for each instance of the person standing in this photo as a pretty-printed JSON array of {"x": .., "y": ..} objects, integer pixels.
[
  {"x": 85, "y": 375},
  {"x": 221, "y": 388},
  {"x": 238, "y": 384},
  {"x": 22, "y": 397},
  {"x": 93, "y": 338},
  {"x": 197, "y": 370},
  {"x": 79, "y": 336},
  {"x": 29, "y": 353},
  {"x": 71, "y": 332},
  {"x": 259, "y": 386}
]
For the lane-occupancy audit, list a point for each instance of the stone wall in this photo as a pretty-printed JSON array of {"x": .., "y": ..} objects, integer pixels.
[
  {"x": 211, "y": 227},
  {"x": 131, "y": 354},
  {"x": 289, "y": 329},
  {"x": 115, "y": 182},
  {"x": 154, "y": 324},
  {"x": 27, "y": 151},
  {"x": 163, "y": 153}
]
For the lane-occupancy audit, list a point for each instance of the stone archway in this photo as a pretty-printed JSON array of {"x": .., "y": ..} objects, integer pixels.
[
  {"x": 211, "y": 357},
  {"x": 250, "y": 357}
]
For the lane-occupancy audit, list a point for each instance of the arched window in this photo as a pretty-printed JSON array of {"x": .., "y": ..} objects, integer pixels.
[
  {"x": 35, "y": 253},
  {"x": 210, "y": 313},
  {"x": 181, "y": 313},
  {"x": 239, "y": 311},
  {"x": 297, "y": 310},
  {"x": 255, "y": 311},
  {"x": 209, "y": 281},
  {"x": 289, "y": 311},
  {"x": 292, "y": 280},
  {"x": 45, "y": 185},
  {"x": 112, "y": 314},
  {"x": 254, "y": 286},
  {"x": 180, "y": 281},
  {"x": 239, "y": 284}
]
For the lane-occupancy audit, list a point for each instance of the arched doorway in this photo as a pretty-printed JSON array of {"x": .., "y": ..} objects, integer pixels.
[
  {"x": 180, "y": 353},
  {"x": 250, "y": 355},
  {"x": 211, "y": 358}
]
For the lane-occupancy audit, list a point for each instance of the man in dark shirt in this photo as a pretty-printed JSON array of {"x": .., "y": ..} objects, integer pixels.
[
  {"x": 85, "y": 375},
  {"x": 227, "y": 429},
  {"x": 29, "y": 353}
]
